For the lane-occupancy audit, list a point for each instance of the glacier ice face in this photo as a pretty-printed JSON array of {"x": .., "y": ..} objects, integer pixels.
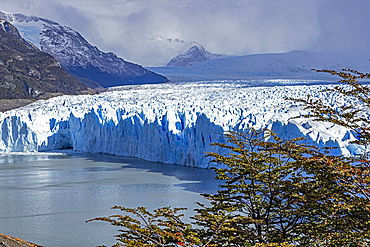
[{"x": 170, "y": 123}]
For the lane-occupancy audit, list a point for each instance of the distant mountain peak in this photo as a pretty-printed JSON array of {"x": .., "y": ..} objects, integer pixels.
[
  {"x": 197, "y": 48},
  {"x": 194, "y": 55}
]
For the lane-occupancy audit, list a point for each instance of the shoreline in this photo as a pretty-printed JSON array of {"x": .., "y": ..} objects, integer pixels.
[{"x": 8, "y": 241}]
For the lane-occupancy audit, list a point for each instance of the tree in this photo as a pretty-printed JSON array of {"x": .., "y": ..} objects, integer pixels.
[
  {"x": 265, "y": 189},
  {"x": 269, "y": 194},
  {"x": 276, "y": 192},
  {"x": 163, "y": 227},
  {"x": 280, "y": 191},
  {"x": 349, "y": 221},
  {"x": 348, "y": 115}
]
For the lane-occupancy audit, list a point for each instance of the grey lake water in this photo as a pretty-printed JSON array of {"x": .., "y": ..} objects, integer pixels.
[{"x": 46, "y": 198}]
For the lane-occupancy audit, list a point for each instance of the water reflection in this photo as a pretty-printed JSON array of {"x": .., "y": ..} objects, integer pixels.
[
  {"x": 201, "y": 182},
  {"x": 47, "y": 198}
]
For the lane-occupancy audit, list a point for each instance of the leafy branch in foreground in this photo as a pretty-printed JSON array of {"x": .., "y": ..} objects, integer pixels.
[
  {"x": 285, "y": 192},
  {"x": 350, "y": 115},
  {"x": 351, "y": 214},
  {"x": 355, "y": 116},
  {"x": 163, "y": 227},
  {"x": 264, "y": 190}
]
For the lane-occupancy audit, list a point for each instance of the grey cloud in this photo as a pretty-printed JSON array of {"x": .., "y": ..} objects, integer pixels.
[
  {"x": 235, "y": 27},
  {"x": 344, "y": 25}
]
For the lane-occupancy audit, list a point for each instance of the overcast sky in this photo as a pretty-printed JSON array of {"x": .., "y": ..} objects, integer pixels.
[{"x": 234, "y": 27}]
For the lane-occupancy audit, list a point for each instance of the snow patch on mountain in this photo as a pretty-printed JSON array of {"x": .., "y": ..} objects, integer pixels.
[
  {"x": 9, "y": 28},
  {"x": 170, "y": 123}
]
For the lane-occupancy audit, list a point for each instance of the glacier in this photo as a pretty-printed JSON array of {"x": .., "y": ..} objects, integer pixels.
[{"x": 171, "y": 122}]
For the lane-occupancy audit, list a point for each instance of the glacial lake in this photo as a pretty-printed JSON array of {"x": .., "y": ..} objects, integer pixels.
[{"x": 46, "y": 198}]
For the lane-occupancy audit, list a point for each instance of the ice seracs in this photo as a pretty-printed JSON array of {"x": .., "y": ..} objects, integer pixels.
[{"x": 170, "y": 123}]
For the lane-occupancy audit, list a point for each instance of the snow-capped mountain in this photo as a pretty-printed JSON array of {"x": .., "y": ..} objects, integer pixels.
[
  {"x": 77, "y": 55},
  {"x": 196, "y": 54},
  {"x": 170, "y": 123},
  {"x": 28, "y": 73},
  {"x": 158, "y": 51}
]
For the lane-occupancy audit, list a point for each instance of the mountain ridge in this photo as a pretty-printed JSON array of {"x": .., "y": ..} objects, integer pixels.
[
  {"x": 28, "y": 73},
  {"x": 7, "y": 27},
  {"x": 79, "y": 57},
  {"x": 289, "y": 65}
]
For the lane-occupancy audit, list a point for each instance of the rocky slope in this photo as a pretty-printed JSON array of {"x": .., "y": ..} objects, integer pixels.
[
  {"x": 9, "y": 28},
  {"x": 86, "y": 62},
  {"x": 28, "y": 73},
  {"x": 8, "y": 241}
]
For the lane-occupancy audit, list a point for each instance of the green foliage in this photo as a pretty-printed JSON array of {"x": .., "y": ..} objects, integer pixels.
[
  {"x": 265, "y": 188},
  {"x": 283, "y": 192},
  {"x": 163, "y": 227},
  {"x": 276, "y": 192},
  {"x": 347, "y": 217},
  {"x": 347, "y": 115}
]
